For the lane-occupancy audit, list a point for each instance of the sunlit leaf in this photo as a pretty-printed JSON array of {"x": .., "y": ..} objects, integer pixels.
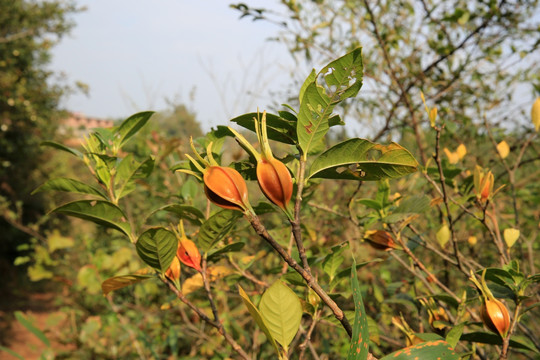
[
  {"x": 503, "y": 149},
  {"x": 69, "y": 185},
  {"x": 98, "y": 211},
  {"x": 355, "y": 159},
  {"x": 510, "y": 235},
  {"x": 437, "y": 349},
  {"x": 282, "y": 312},
  {"x": 157, "y": 248},
  {"x": 130, "y": 170},
  {"x": 59, "y": 146},
  {"x": 342, "y": 79},
  {"x": 535, "y": 114},
  {"x": 443, "y": 235},
  {"x": 256, "y": 315},
  {"x": 119, "y": 282},
  {"x": 131, "y": 126}
]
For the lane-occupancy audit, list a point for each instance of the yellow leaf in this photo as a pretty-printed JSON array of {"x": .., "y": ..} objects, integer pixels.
[
  {"x": 503, "y": 149},
  {"x": 453, "y": 157},
  {"x": 218, "y": 272},
  {"x": 472, "y": 240},
  {"x": 510, "y": 236},
  {"x": 443, "y": 235},
  {"x": 461, "y": 151},
  {"x": 535, "y": 114},
  {"x": 192, "y": 284},
  {"x": 433, "y": 116}
]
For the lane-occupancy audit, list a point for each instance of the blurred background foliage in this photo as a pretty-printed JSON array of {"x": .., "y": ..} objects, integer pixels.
[{"x": 476, "y": 61}]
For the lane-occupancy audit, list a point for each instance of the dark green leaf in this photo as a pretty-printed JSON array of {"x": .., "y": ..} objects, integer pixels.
[
  {"x": 216, "y": 228},
  {"x": 187, "y": 212},
  {"x": 69, "y": 185},
  {"x": 359, "y": 349},
  {"x": 98, "y": 211},
  {"x": 157, "y": 247},
  {"x": 516, "y": 342},
  {"x": 278, "y": 128},
  {"x": 234, "y": 247},
  {"x": 392, "y": 161}
]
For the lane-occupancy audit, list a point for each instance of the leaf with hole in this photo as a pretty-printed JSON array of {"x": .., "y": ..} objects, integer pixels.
[{"x": 363, "y": 160}]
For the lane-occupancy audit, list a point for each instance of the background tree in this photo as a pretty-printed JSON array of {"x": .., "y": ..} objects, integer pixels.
[
  {"x": 471, "y": 58},
  {"x": 29, "y": 107}
]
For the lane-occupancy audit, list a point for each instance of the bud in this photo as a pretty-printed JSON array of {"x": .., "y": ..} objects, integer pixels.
[
  {"x": 226, "y": 188},
  {"x": 483, "y": 183},
  {"x": 188, "y": 254},
  {"x": 173, "y": 272},
  {"x": 380, "y": 239},
  {"x": 495, "y": 316}
]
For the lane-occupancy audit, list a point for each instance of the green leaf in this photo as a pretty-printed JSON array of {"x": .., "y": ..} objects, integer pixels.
[
  {"x": 278, "y": 129},
  {"x": 438, "y": 349},
  {"x": 359, "y": 349},
  {"x": 516, "y": 342},
  {"x": 256, "y": 315},
  {"x": 98, "y": 211},
  {"x": 131, "y": 126},
  {"x": 343, "y": 79},
  {"x": 333, "y": 260},
  {"x": 234, "y": 247},
  {"x": 69, "y": 185},
  {"x": 392, "y": 161},
  {"x": 62, "y": 147},
  {"x": 11, "y": 352},
  {"x": 23, "y": 320},
  {"x": 157, "y": 248},
  {"x": 216, "y": 228},
  {"x": 454, "y": 334},
  {"x": 130, "y": 170},
  {"x": 119, "y": 282},
  {"x": 282, "y": 312},
  {"x": 309, "y": 80},
  {"x": 186, "y": 212}
]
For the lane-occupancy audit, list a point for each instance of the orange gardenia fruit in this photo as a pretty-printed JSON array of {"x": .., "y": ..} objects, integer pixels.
[
  {"x": 495, "y": 316},
  {"x": 226, "y": 188},
  {"x": 275, "y": 181},
  {"x": 188, "y": 254}
]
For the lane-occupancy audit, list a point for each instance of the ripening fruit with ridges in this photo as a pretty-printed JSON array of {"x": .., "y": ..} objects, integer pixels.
[
  {"x": 173, "y": 272},
  {"x": 495, "y": 316},
  {"x": 226, "y": 188},
  {"x": 188, "y": 254},
  {"x": 275, "y": 181}
]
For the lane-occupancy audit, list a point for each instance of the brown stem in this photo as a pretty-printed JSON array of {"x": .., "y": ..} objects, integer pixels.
[
  {"x": 506, "y": 340},
  {"x": 209, "y": 321},
  {"x": 310, "y": 280}
]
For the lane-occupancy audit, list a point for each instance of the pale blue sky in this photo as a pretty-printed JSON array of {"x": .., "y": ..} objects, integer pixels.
[{"x": 135, "y": 53}]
